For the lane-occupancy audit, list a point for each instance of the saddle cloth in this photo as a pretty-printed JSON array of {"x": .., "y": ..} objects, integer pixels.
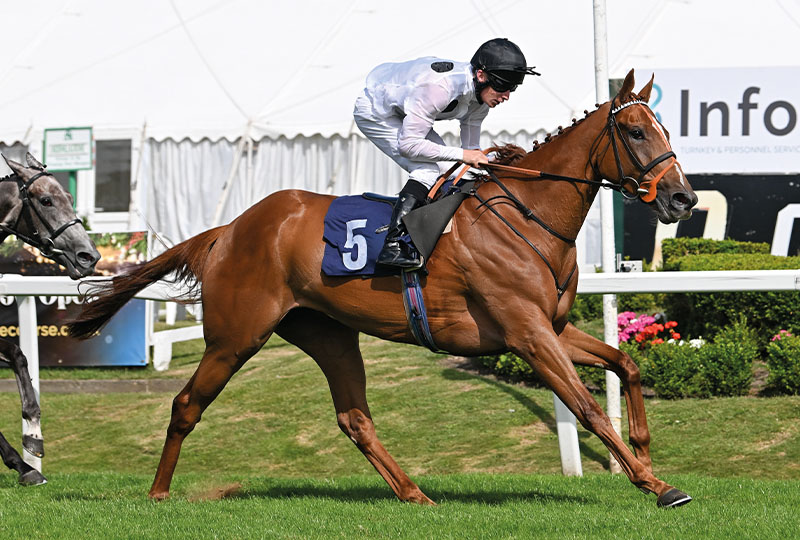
[{"x": 356, "y": 225}]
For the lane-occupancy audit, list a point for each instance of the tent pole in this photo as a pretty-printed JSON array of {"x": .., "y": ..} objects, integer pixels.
[
  {"x": 226, "y": 188},
  {"x": 133, "y": 206}
]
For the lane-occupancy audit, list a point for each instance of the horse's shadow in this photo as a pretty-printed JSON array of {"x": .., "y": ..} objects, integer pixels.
[
  {"x": 544, "y": 415},
  {"x": 364, "y": 494},
  {"x": 382, "y": 493}
]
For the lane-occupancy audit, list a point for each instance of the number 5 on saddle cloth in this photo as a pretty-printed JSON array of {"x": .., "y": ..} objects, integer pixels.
[{"x": 356, "y": 225}]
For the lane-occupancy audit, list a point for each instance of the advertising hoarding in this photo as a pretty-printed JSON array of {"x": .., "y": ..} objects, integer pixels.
[
  {"x": 121, "y": 343},
  {"x": 731, "y": 120}
]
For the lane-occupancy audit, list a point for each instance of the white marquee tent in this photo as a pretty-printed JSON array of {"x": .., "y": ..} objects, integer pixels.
[{"x": 227, "y": 101}]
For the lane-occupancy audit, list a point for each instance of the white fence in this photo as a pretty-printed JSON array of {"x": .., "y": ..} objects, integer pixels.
[{"x": 26, "y": 288}]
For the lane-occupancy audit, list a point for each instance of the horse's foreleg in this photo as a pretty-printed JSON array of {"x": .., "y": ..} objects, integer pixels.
[
  {"x": 32, "y": 439},
  {"x": 28, "y": 476},
  {"x": 214, "y": 371},
  {"x": 586, "y": 350},
  {"x": 335, "y": 349},
  {"x": 549, "y": 359}
]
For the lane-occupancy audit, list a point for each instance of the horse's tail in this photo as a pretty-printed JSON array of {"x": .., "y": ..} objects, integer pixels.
[{"x": 186, "y": 261}]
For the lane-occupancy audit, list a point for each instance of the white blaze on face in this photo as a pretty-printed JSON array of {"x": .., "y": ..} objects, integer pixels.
[{"x": 660, "y": 130}]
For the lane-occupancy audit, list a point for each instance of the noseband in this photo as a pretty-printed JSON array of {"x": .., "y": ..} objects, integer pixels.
[
  {"x": 45, "y": 245},
  {"x": 637, "y": 187}
]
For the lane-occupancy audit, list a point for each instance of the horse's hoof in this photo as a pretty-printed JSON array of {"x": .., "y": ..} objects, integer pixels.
[
  {"x": 33, "y": 446},
  {"x": 672, "y": 498},
  {"x": 32, "y": 478},
  {"x": 417, "y": 497},
  {"x": 158, "y": 495}
]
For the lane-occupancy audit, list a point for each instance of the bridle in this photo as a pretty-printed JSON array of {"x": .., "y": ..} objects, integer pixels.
[
  {"x": 637, "y": 185},
  {"x": 45, "y": 245}
]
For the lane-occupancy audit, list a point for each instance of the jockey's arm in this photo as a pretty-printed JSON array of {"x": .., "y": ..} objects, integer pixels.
[
  {"x": 471, "y": 138},
  {"x": 421, "y": 109}
]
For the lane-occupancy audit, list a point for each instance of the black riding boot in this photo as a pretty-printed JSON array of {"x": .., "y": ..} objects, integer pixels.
[{"x": 395, "y": 252}]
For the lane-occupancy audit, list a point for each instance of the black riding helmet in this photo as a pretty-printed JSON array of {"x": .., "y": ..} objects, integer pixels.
[{"x": 503, "y": 63}]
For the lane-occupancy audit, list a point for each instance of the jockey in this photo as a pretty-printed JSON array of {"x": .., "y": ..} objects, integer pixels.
[{"x": 397, "y": 109}]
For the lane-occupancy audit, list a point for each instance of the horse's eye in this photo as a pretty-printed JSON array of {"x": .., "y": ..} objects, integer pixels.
[
  {"x": 46, "y": 201},
  {"x": 637, "y": 133}
]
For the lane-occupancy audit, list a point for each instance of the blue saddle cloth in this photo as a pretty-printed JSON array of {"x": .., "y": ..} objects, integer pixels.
[{"x": 355, "y": 227}]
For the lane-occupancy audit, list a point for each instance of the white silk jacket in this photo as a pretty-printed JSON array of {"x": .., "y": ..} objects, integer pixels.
[{"x": 420, "y": 92}]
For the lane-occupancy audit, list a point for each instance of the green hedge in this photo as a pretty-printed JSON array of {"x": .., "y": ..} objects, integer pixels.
[
  {"x": 705, "y": 314},
  {"x": 723, "y": 367},
  {"x": 783, "y": 359},
  {"x": 674, "y": 248}
]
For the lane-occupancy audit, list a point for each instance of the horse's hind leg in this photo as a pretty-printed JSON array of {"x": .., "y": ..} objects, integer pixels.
[
  {"x": 32, "y": 439},
  {"x": 335, "y": 349},
  {"x": 588, "y": 351},
  {"x": 28, "y": 476},
  {"x": 217, "y": 366}
]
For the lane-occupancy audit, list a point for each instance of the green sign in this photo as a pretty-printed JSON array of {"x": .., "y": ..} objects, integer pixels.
[{"x": 68, "y": 149}]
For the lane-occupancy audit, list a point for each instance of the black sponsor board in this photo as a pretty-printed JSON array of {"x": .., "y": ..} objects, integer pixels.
[{"x": 753, "y": 203}]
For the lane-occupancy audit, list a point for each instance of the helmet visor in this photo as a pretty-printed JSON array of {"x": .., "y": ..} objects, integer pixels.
[{"x": 505, "y": 81}]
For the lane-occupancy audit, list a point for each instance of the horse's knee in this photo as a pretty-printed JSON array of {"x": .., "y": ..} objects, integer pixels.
[
  {"x": 629, "y": 370},
  {"x": 357, "y": 426}
]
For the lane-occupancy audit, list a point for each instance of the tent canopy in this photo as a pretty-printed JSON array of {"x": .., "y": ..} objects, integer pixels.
[{"x": 225, "y": 68}]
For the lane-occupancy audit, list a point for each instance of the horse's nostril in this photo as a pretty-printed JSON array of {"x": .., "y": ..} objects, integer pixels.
[
  {"x": 683, "y": 200},
  {"x": 87, "y": 258}
]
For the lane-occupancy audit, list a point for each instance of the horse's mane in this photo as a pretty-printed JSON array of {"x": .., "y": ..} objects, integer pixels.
[{"x": 510, "y": 154}]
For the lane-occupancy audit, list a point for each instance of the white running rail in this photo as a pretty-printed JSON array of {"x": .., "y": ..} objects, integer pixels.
[{"x": 27, "y": 287}]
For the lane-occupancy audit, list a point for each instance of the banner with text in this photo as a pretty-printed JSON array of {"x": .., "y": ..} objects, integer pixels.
[
  {"x": 731, "y": 120},
  {"x": 120, "y": 343}
]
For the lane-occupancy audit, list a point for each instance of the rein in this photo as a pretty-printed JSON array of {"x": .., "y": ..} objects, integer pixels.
[
  {"x": 636, "y": 189},
  {"x": 528, "y": 213},
  {"x": 614, "y": 132},
  {"x": 45, "y": 245}
]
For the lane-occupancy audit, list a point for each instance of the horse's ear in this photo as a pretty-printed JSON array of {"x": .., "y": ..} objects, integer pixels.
[
  {"x": 644, "y": 93},
  {"x": 627, "y": 87},
  {"x": 15, "y": 167},
  {"x": 33, "y": 162}
]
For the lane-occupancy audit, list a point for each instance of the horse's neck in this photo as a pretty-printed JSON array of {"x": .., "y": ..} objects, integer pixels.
[
  {"x": 560, "y": 203},
  {"x": 9, "y": 196}
]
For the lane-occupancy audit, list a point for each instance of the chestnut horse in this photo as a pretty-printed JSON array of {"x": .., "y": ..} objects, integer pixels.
[
  {"x": 486, "y": 291},
  {"x": 35, "y": 208}
]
